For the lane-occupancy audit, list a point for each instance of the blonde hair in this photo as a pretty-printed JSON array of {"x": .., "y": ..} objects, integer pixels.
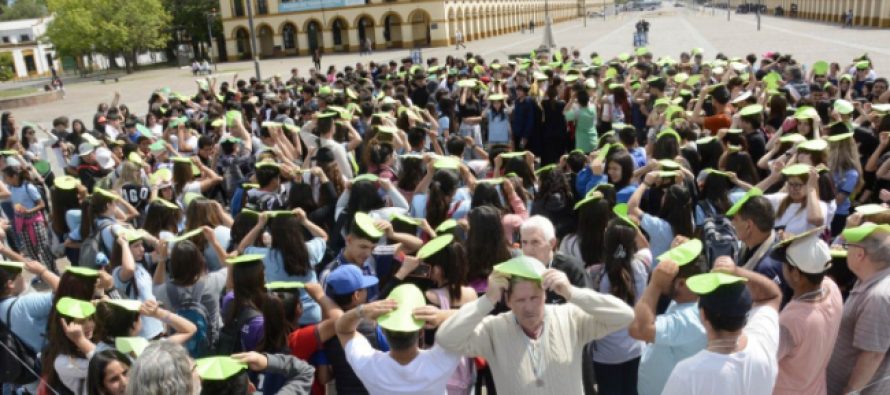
[
  {"x": 131, "y": 174},
  {"x": 843, "y": 156}
]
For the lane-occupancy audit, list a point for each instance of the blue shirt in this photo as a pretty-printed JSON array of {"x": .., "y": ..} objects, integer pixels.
[
  {"x": 26, "y": 195},
  {"x": 460, "y": 204},
  {"x": 639, "y": 156},
  {"x": 660, "y": 235},
  {"x": 679, "y": 334},
  {"x": 29, "y": 317},
  {"x": 845, "y": 183},
  {"x": 274, "y": 268},
  {"x": 72, "y": 219},
  {"x": 377, "y": 265},
  {"x": 139, "y": 288}
]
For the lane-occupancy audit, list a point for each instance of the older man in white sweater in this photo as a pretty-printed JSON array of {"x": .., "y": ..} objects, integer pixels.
[{"x": 534, "y": 348}]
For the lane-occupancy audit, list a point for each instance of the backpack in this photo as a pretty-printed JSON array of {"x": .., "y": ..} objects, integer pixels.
[
  {"x": 232, "y": 177},
  {"x": 189, "y": 307},
  {"x": 230, "y": 335},
  {"x": 92, "y": 246},
  {"x": 717, "y": 235},
  {"x": 18, "y": 363}
]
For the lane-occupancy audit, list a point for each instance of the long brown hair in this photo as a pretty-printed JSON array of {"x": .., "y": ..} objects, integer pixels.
[{"x": 783, "y": 205}]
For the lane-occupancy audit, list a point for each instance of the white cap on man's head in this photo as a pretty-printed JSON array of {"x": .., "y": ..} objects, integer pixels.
[{"x": 808, "y": 253}]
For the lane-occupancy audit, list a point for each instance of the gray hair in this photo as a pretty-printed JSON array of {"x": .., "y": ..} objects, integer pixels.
[
  {"x": 878, "y": 249},
  {"x": 164, "y": 368},
  {"x": 540, "y": 223}
]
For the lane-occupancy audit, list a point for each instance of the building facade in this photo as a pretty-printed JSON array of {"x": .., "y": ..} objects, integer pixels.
[
  {"x": 298, "y": 27},
  {"x": 866, "y": 13},
  {"x": 30, "y": 57}
]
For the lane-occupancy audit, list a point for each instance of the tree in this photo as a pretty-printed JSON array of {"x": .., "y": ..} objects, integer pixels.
[
  {"x": 114, "y": 27},
  {"x": 23, "y": 9},
  {"x": 191, "y": 17}
]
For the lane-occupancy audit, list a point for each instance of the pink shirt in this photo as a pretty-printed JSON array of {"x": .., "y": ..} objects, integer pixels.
[
  {"x": 808, "y": 332},
  {"x": 513, "y": 221}
]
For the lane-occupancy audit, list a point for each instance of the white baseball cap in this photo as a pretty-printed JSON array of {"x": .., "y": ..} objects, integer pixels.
[
  {"x": 104, "y": 159},
  {"x": 807, "y": 252},
  {"x": 85, "y": 149}
]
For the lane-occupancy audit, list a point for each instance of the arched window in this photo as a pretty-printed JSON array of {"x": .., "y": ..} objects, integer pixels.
[
  {"x": 288, "y": 35},
  {"x": 262, "y": 7},
  {"x": 241, "y": 41},
  {"x": 338, "y": 32}
]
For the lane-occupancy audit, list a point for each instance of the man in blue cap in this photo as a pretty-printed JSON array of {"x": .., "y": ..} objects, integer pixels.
[{"x": 348, "y": 287}]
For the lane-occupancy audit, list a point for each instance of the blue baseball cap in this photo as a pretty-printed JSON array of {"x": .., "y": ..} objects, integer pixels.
[{"x": 347, "y": 279}]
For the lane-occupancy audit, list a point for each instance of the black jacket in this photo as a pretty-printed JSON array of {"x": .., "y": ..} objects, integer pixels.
[{"x": 574, "y": 270}]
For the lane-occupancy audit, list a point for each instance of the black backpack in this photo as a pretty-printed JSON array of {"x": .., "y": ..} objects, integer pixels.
[
  {"x": 717, "y": 235},
  {"x": 18, "y": 362},
  {"x": 230, "y": 335}
]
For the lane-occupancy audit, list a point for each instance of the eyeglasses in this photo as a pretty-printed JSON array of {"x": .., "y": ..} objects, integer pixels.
[
  {"x": 848, "y": 245},
  {"x": 795, "y": 185}
]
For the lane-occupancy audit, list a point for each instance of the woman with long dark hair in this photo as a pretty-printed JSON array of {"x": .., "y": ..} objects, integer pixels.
[
  {"x": 290, "y": 257},
  {"x": 714, "y": 198},
  {"x": 66, "y": 198},
  {"x": 107, "y": 373},
  {"x": 439, "y": 195},
  {"x": 29, "y": 224},
  {"x": 487, "y": 244},
  {"x": 585, "y": 244},
  {"x": 555, "y": 201},
  {"x": 554, "y": 132},
  {"x": 623, "y": 275},
  {"x": 674, "y": 217}
]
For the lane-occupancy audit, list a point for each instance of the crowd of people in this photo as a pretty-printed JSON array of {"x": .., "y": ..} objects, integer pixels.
[{"x": 549, "y": 224}]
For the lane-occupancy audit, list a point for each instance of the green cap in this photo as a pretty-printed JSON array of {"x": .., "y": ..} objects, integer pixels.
[
  {"x": 871, "y": 209},
  {"x": 279, "y": 213},
  {"x": 667, "y": 173},
  {"x": 621, "y": 211},
  {"x": 882, "y": 108},
  {"x": 407, "y": 297},
  {"x": 186, "y": 235},
  {"x": 135, "y": 158},
  {"x": 820, "y": 67},
  {"x": 706, "y": 283},
  {"x": 42, "y": 167},
  {"x": 495, "y": 181},
  {"x": 126, "y": 304},
  {"x": 75, "y": 308},
  {"x": 522, "y": 266},
  {"x": 838, "y": 254},
  {"x": 367, "y": 225},
  {"x": 467, "y": 83},
  {"x": 105, "y": 193},
  {"x": 131, "y": 345},
  {"x": 498, "y": 96},
  {"x": 515, "y": 154},
  {"x": 247, "y": 258},
  {"x": 705, "y": 140},
  {"x": 285, "y": 285},
  {"x": 792, "y": 138},
  {"x": 816, "y": 145},
  {"x": 157, "y": 146},
  {"x": 446, "y": 226},
  {"x": 133, "y": 234},
  {"x": 806, "y": 112},
  {"x": 753, "y": 192},
  {"x": 545, "y": 169},
  {"x": 267, "y": 163},
  {"x": 175, "y": 122},
  {"x": 189, "y": 197},
  {"x": 668, "y": 164},
  {"x": 683, "y": 253},
  {"x": 448, "y": 163},
  {"x": 435, "y": 245},
  {"x": 668, "y": 132},
  {"x": 859, "y": 233},
  {"x": 753, "y": 109},
  {"x": 596, "y": 195},
  {"x": 709, "y": 171},
  {"x": 839, "y": 137},
  {"x": 798, "y": 169},
  {"x": 218, "y": 368},
  {"x": 66, "y": 183},
  {"x": 366, "y": 177},
  {"x": 404, "y": 218},
  {"x": 843, "y": 107},
  {"x": 12, "y": 265},
  {"x": 862, "y": 65},
  {"x": 83, "y": 271},
  {"x": 166, "y": 203}
]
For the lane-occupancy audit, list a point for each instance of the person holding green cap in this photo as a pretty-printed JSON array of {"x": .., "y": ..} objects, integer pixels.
[
  {"x": 69, "y": 345},
  {"x": 847, "y": 175},
  {"x": 810, "y": 321},
  {"x": 859, "y": 361},
  {"x": 739, "y": 310},
  {"x": 579, "y": 110},
  {"x": 677, "y": 333},
  {"x": 799, "y": 208},
  {"x": 534, "y": 347},
  {"x": 718, "y": 118},
  {"x": 753, "y": 219},
  {"x": 405, "y": 369}
]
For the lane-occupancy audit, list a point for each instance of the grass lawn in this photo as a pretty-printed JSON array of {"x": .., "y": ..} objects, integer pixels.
[{"x": 15, "y": 92}]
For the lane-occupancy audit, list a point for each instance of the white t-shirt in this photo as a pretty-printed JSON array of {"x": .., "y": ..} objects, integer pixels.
[
  {"x": 427, "y": 374},
  {"x": 750, "y": 371},
  {"x": 794, "y": 219}
]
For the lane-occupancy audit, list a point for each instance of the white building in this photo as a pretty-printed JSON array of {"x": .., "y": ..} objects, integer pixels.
[{"x": 20, "y": 38}]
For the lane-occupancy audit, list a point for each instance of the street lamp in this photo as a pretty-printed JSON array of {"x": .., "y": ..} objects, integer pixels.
[
  {"x": 728, "y": 8},
  {"x": 210, "y": 17},
  {"x": 254, "y": 50},
  {"x": 548, "y": 30}
]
